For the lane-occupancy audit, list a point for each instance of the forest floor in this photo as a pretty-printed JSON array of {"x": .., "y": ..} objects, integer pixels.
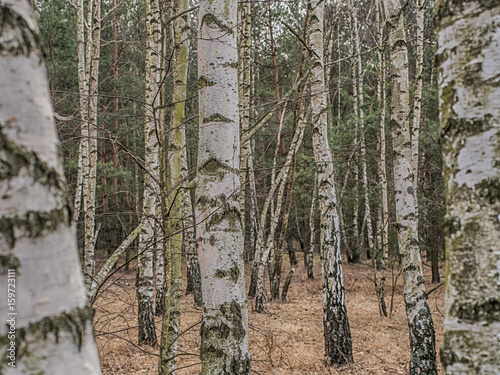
[{"x": 286, "y": 339}]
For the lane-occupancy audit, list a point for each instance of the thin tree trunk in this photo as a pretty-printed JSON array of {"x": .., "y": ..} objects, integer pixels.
[
  {"x": 338, "y": 345},
  {"x": 417, "y": 101},
  {"x": 254, "y": 212},
  {"x": 244, "y": 12},
  {"x": 224, "y": 330},
  {"x": 262, "y": 243},
  {"x": 432, "y": 220},
  {"x": 114, "y": 181},
  {"x": 147, "y": 239},
  {"x": 263, "y": 246},
  {"x": 468, "y": 56},
  {"x": 367, "y": 220},
  {"x": 176, "y": 189},
  {"x": 312, "y": 224},
  {"x": 89, "y": 188},
  {"x": 286, "y": 285},
  {"x": 37, "y": 241},
  {"x": 422, "y": 338},
  {"x": 83, "y": 86},
  {"x": 103, "y": 273},
  {"x": 384, "y": 223}
]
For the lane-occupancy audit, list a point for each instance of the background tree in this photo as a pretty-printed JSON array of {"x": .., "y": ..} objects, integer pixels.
[
  {"x": 422, "y": 337},
  {"x": 338, "y": 345}
]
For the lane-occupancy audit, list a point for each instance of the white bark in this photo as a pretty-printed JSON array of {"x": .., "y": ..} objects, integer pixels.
[
  {"x": 312, "y": 225},
  {"x": 176, "y": 189},
  {"x": 88, "y": 40},
  {"x": 338, "y": 345},
  {"x": 422, "y": 338},
  {"x": 37, "y": 241},
  {"x": 468, "y": 58},
  {"x": 362, "y": 130},
  {"x": 244, "y": 101},
  {"x": 384, "y": 217},
  {"x": 152, "y": 132},
  {"x": 103, "y": 273},
  {"x": 417, "y": 100},
  {"x": 224, "y": 331},
  {"x": 263, "y": 248}
]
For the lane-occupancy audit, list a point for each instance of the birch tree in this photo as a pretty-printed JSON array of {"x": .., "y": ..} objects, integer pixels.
[
  {"x": 417, "y": 100},
  {"x": 338, "y": 344},
  {"x": 89, "y": 45},
  {"x": 468, "y": 56},
  {"x": 422, "y": 339},
  {"x": 224, "y": 330},
  {"x": 359, "y": 100},
  {"x": 176, "y": 188},
  {"x": 147, "y": 238},
  {"x": 245, "y": 37},
  {"x": 52, "y": 324},
  {"x": 384, "y": 217}
]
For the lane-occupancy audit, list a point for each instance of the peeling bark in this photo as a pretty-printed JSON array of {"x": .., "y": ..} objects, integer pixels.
[
  {"x": 224, "y": 331},
  {"x": 422, "y": 337},
  {"x": 468, "y": 58},
  {"x": 152, "y": 130},
  {"x": 37, "y": 239},
  {"x": 338, "y": 344}
]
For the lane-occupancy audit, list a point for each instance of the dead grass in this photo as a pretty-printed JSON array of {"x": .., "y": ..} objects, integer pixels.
[{"x": 286, "y": 339}]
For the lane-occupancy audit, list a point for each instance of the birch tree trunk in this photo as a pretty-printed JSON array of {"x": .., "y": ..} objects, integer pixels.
[
  {"x": 312, "y": 225},
  {"x": 176, "y": 189},
  {"x": 264, "y": 246},
  {"x": 90, "y": 178},
  {"x": 384, "y": 222},
  {"x": 244, "y": 103},
  {"x": 53, "y": 325},
  {"x": 224, "y": 330},
  {"x": 356, "y": 252},
  {"x": 361, "y": 121},
  {"x": 422, "y": 340},
  {"x": 193, "y": 277},
  {"x": 83, "y": 86},
  {"x": 147, "y": 238},
  {"x": 468, "y": 56},
  {"x": 417, "y": 101},
  {"x": 338, "y": 345}
]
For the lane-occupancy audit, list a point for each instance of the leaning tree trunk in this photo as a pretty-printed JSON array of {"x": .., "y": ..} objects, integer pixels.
[
  {"x": 224, "y": 330},
  {"x": 422, "y": 338},
  {"x": 147, "y": 238},
  {"x": 46, "y": 315},
  {"x": 263, "y": 247},
  {"x": 338, "y": 344},
  {"x": 468, "y": 56}
]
